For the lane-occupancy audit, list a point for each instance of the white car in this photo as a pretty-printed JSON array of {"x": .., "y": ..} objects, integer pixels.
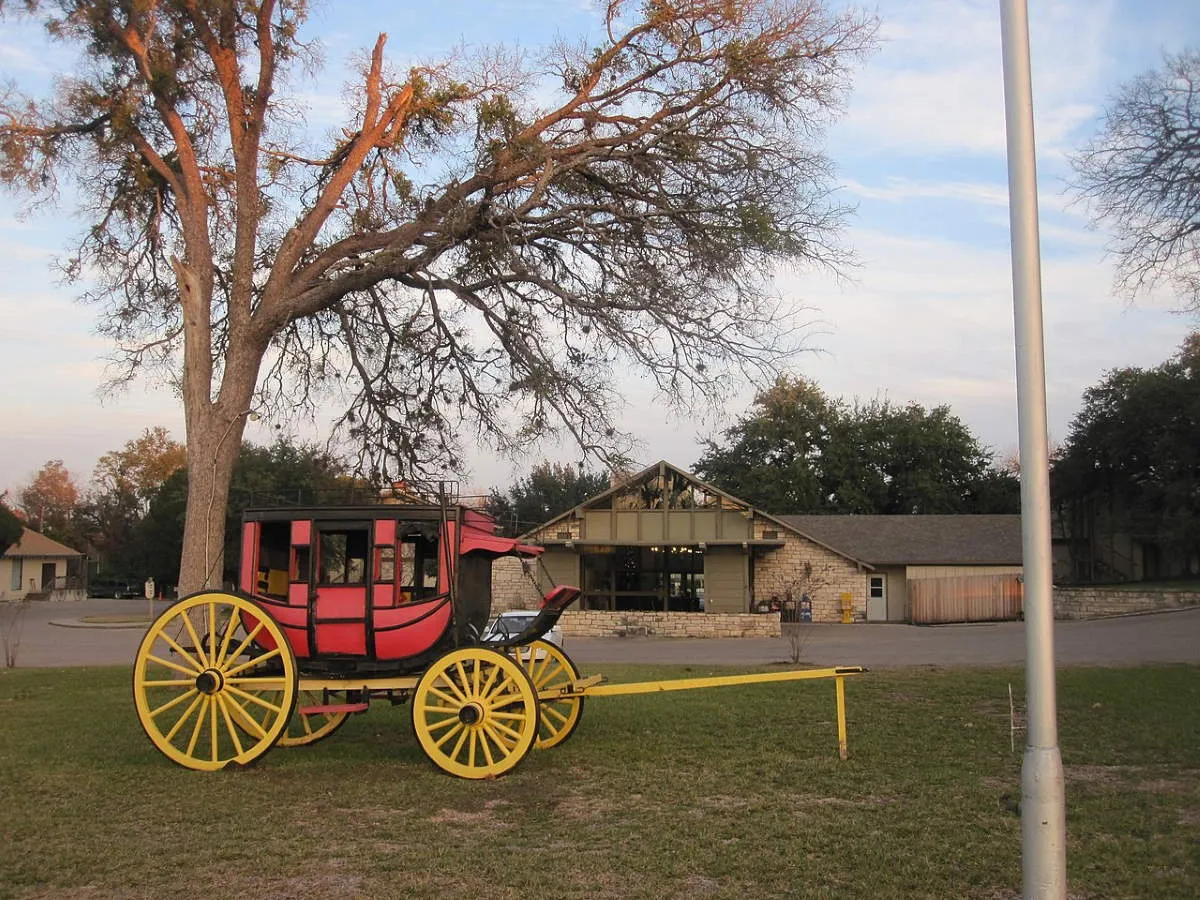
[{"x": 509, "y": 624}]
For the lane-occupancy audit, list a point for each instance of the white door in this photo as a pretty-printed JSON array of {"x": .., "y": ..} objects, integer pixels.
[{"x": 876, "y": 598}]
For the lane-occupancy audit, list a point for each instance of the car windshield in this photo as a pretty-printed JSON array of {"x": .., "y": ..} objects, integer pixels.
[{"x": 509, "y": 625}]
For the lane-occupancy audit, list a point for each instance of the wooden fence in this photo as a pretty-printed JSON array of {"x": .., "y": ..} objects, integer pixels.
[{"x": 968, "y": 598}]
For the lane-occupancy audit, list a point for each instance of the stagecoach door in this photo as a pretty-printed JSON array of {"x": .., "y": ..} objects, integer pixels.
[{"x": 341, "y": 581}]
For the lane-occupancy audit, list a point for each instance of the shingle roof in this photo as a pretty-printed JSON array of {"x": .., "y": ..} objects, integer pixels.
[
  {"x": 918, "y": 540},
  {"x": 33, "y": 543}
]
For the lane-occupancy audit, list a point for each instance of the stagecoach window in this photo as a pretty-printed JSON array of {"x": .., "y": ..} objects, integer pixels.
[
  {"x": 418, "y": 568},
  {"x": 300, "y": 561},
  {"x": 408, "y": 559},
  {"x": 385, "y": 563},
  {"x": 343, "y": 556}
]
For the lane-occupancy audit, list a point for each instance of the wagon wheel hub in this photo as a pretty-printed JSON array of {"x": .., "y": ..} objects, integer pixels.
[
  {"x": 470, "y": 714},
  {"x": 209, "y": 681}
]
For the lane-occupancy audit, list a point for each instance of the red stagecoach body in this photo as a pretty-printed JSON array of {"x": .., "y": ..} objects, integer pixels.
[{"x": 377, "y": 588}]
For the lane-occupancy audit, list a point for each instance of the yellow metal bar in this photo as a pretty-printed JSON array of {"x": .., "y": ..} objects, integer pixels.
[
  {"x": 390, "y": 683},
  {"x": 843, "y": 751},
  {"x": 589, "y": 689}
]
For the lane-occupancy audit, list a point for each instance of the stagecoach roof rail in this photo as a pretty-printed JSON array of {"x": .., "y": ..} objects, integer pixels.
[{"x": 430, "y": 511}]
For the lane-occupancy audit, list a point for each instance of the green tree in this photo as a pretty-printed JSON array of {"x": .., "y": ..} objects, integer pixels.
[
  {"x": 1131, "y": 461},
  {"x": 1141, "y": 176},
  {"x": 797, "y": 451},
  {"x": 283, "y": 474},
  {"x": 11, "y": 529},
  {"x": 487, "y": 243},
  {"x": 775, "y": 456},
  {"x": 549, "y": 489},
  {"x": 123, "y": 483}
]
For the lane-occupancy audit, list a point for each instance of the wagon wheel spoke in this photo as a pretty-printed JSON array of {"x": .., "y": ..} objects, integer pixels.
[
  {"x": 173, "y": 666},
  {"x": 307, "y": 728},
  {"x": 187, "y": 714}
]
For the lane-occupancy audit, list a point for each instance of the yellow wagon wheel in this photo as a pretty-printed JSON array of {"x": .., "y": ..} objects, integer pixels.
[
  {"x": 308, "y": 729},
  {"x": 549, "y": 668},
  {"x": 214, "y": 681},
  {"x": 475, "y": 713}
]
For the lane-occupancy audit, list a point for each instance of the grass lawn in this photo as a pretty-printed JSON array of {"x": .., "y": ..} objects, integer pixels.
[{"x": 730, "y": 792}]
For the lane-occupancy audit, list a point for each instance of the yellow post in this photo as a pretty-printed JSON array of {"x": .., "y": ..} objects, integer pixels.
[{"x": 843, "y": 752}]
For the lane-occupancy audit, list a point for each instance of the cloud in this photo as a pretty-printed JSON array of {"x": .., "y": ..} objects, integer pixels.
[
  {"x": 897, "y": 189},
  {"x": 936, "y": 85},
  {"x": 932, "y": 321}
]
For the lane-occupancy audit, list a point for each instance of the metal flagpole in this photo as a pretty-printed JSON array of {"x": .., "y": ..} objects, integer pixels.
[{"x": 1043, "y": 803}]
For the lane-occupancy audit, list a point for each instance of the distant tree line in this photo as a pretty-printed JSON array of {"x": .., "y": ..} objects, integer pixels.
[
  {"x": 800, "y": 451},
  {"x": 1131, "y": 467},
  {"x": 129, "y": 521},
  {"x": 547, "y": 491}
]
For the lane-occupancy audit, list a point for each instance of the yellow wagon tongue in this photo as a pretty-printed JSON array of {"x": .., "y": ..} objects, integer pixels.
[{"x": 597, "y": 687}]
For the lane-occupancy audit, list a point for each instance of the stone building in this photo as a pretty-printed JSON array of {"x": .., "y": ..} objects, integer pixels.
[
  {"x": 662, "y": 544},
  {"x": 662, "y": 552}
]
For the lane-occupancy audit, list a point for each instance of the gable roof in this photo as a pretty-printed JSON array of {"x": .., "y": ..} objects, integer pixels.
[
  {"x": 662, "y": 467},
  {"x": 627, "y": 482},
  {"x": 33, "y": 543},
  {"x": 918, "y": 540}
]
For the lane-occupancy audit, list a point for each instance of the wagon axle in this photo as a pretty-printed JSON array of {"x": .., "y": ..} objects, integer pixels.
[{"x": 209, "y": 682}]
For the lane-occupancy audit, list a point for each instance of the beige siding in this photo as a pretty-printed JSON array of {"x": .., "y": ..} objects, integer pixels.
[
  {"x": 561, "y": 565},
  {"x": 726, "y": 580},
  {"x": 31, "y": 575}
]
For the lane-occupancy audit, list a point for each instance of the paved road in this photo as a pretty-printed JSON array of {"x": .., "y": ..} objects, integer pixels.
[
  {"x": 1169, "y": 637},
  {"x": 1160, "y": 638}
]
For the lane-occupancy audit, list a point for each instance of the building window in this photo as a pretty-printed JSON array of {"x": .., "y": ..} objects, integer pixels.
[
  {"x": 875, "y": 590},
  {"x": 644, "y": 578},
  {"x": 16, "y": 574}
]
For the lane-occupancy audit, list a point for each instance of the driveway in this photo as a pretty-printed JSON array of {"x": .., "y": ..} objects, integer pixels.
[{"x": 1169, "y": 637}]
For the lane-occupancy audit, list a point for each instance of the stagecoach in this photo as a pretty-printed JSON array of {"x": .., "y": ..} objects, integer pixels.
[{"x": 337, "y": 607}]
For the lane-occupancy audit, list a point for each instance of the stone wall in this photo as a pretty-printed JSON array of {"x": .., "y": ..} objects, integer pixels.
[
  {"x": 802, "y": 567},
  {"x": 511, "y": 587},
  {"x": 1097, "y": 602},
  {"x": 603, "y": 623}
]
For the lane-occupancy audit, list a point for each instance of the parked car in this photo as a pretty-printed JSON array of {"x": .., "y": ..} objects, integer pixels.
[
  {"x": 117, "y": 588},
  {"x": 511, "y": 623}
]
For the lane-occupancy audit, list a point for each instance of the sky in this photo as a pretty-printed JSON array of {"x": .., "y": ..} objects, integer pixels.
[{"x": 924, "y": 316}]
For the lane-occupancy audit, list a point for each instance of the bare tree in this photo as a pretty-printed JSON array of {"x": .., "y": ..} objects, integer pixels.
[
  {"x": 1141, "y": 177},
  {"x": 793, "y": 627},
  {"x": 12, "y": 623},
  {"x": 463, "y": 255}
]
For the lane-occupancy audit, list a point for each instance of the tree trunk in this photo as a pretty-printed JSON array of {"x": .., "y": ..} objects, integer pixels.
[
  {"x": 214, "y": 439},
  {"x": 212, "y": 454}
]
